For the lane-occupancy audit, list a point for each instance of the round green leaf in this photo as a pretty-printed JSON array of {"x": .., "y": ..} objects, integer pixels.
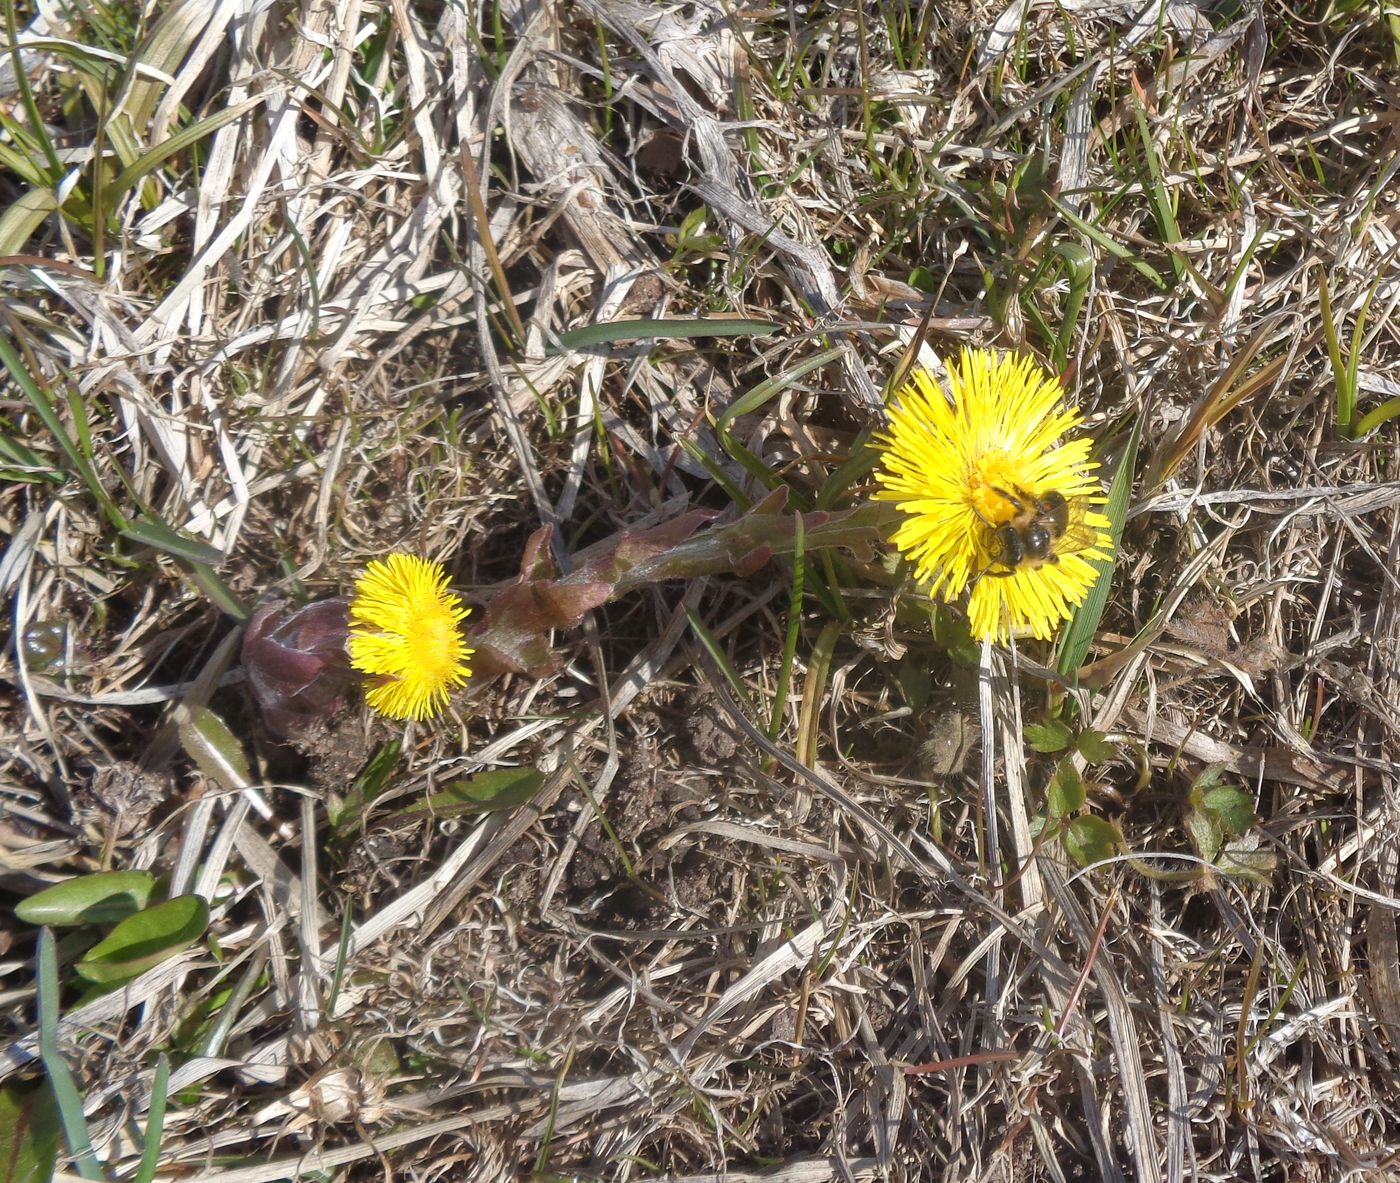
[
  {"x": 1232, "y": 806},
  {"x": 1051, "y": 736},
  {"x": 1095, "y": 747},
  {"x": 1090, "y": 839},
  {"x": 1065, "y": 794}
]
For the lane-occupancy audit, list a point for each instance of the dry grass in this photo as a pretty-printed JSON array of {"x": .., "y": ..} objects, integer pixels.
[{"x": 327, "y": 327}]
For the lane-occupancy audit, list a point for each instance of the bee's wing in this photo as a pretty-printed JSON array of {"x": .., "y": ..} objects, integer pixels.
[{"x": 1079, "y": 534}]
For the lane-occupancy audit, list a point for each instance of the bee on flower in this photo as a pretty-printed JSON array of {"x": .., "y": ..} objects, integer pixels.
[
  {"x": 406, "y": 633},
  {"x": 991, "y": 494}
]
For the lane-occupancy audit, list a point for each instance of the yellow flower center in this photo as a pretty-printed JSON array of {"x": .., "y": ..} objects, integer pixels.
[
  {"x": 993, "y": 475},
  {"x": 436, "y": 644}
]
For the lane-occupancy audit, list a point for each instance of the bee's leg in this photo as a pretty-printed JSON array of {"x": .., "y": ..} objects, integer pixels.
[
  {"x": 1009, "y": 552},
  {"x": 1004, "y": 572}
]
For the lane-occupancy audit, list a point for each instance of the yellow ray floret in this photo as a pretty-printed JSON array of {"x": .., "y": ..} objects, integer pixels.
[
  {"x": 406, "y": 633},
  {"x": 988, "y": 457}
]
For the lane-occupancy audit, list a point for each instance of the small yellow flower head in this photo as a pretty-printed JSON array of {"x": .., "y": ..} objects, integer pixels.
[
  {"x": 406, "y": 632},
  {"x": 984, "y": 456}
]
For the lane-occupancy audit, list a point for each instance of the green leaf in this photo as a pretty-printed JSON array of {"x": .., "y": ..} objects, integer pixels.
[
  {"x": 200, "y": 557},
  {"x": 752, "y": 400},
  {"x": 1232, "y": 807},
  {"x": 501, "y": 788},
  {"x": 1374, "y": 418},
  {"x": 210, "y": 744},
  {"x": 106, "y": 897},
  {"x": 21, "y": 463},
  {"x": 1205, "y": 833},
  {"x": 1090, "y": 839},
  {"x": 152, "y": 532},
  {"x": 1051, "y": 736},
  {"x": 344, "y": 812},
  {"x": 41, "y": 399},
  {"x": 1092, "y": 232},
  {"x": 952, "y": 631},
  {"x": 642, "y": 330},
  {"x": 1211, "y": 778},
  {"x": 218, "y": 592},
  {"x": 1095, "y": 747},
  {"x": 146, "y": 939},
  {"x": 1065, "y": 795},
  {"x": 23, "y": 217},
  {"x": 922, "y": 278},
  {"x": 1228, "y": 809},
  {"x": 915, "y": 681},
  {"x": 29, "y": 1133}
]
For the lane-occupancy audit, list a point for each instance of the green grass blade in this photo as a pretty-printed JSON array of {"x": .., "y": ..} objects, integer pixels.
[
  {"x": 799, "y": 571},
  {"x": 342, "y": 958},
  {"x": 23, "y": 217},
  {"x": 1089, "y": 230},
  {"x": 1368, "y": 422},
  {"x": 1346, "y": 392},
  {"x": 152, "y": 532},
  {"x": 48, "y": 416},
  {"x": 858, "y": 465},
  {"x": 21, "y": 463},
  {"x": 717, "y": 474},
  {"x": 149, "y": 161},
  {"x": 748, "y": 403},
  {"x": 1157, "y": 190},
  {"x": 232, "y": 1009},
  {"x": 218, "y": 592},
  {"x": 1084, "y": 624},
  {"x": 669, "y": 329},
  {"x": 155, "y": 1122},
  {"x": 21, "y": 166},
  {"x": 1079, "y": 267},
  {"x": 26, "y": 95},
  {"x": 199, "y": 557},
  {"x": 711, "y": 646},
  {"x": 65, "y": 1091}
]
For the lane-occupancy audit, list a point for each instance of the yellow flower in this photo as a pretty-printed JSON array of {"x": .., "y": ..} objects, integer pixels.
[
  {"x": 406, "y": 631},
  {"x": 965, "y": 465}
]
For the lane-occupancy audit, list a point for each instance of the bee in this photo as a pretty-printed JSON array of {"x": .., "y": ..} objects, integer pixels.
[{"x": 1041, "y": 527}]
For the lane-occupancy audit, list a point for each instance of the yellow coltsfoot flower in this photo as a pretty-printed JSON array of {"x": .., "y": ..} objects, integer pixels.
[
  {"x": 991, "y": 496},
  {"x": 406, "y": 633}
]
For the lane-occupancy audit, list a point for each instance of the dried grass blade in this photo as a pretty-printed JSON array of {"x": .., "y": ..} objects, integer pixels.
[
  {"x": 1229, "y": 391},
  {"x": 1127, "y": 1044}
]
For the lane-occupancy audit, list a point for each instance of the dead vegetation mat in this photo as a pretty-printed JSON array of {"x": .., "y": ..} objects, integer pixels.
[{"x": 336, "y": 324}]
